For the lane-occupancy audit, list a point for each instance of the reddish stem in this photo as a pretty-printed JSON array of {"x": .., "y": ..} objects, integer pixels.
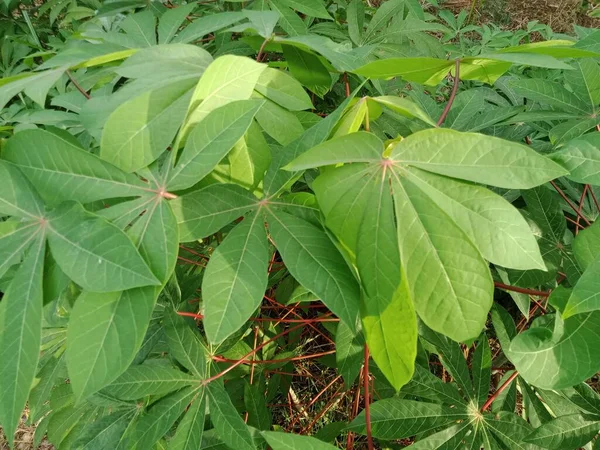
[
  {"x": 591, "y": 190},
  {"x": 569, "y": 202},
  {"x": 495, "y": 395},
  {"x": 452, "y": 94},
  {"x": 521, "y": 290},
  {"x": 347, "y": 84},
  {"x": 77, "y": 85},
  {"x": 367, "y": 399},
  {"x": 580, "y": 209}
]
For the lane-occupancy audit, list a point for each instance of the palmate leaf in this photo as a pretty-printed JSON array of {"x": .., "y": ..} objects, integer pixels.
[
  {"x": 20, "y": 335},
  {"x": 288, "y": 441},
  {"x": 105, "y": 332},
  {"x": 450, "y": 438},
  {"x": 426, "y": 385},
  {"x": 482, "y": 370},
  {"x": 191, "y": 428},
  {"x": 61, "y": 171},
  {"x": 184, "y": 343},
  {"x": 95, "y": 253},
  {"x": 235, "y": 279},
  {"x": 396, "y": 418},
  {"x": 313, "y": 260},
  {"x": 566, "y": 431},
  {"x": 581, "y": 157},
  {"x": 17, "y": 196},
  {"x": 550, "y": 93},
  {"x": 15, "y": 238},
  {"x": 104, "y": 432},
  {"x": 509, "y": 429},
  {"x": 201, "y": 213}
]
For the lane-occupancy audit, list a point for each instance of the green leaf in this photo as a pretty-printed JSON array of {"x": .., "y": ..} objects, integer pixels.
[
  {"x": 308, "y": 69},
  {"x": 349, "y": 347},
  {"x": 550, "y": 93},
  {"x": 452, "y": 358},
  {"x": 105, "y": 333},
  {"x": 235, "y": 279},
  {"x": 141, "y": 129},
  {"x": 405, "y": 108},
  {"x": 581, "y": 157},
  {"x": 429, "y": 71},
  {"x": 558, "y": 361},
  {"x": 262, "y": 21},
  {"x": 94, "y": 253},
  {"x": 259, "y": 415},
  {"x": 586, "y": 245},
  {"x": 355, "y": 16},
  {"x": 507, "y": 399},
  {"x": 449, "y": 438},
  {"x": 476, "y": 157},
  {"x": 290, "y": 22},
  {"x": 452, "y": 290},
  {"x": 171, "y": 21},
  {"x": 61, "y": 171},
  {"x": 184, "y": 343},
  {"x": 427, "y": 385},
  {"x": 586, "y": 293},
  {"x": 528, "y": 59},
  {"x": 161, "y": 416},
  {"x": 496, "y": 227},
  {"x": 313, "y": 260},
  {"x": 313, "y": 8},
  {"x": 567, "y": 431},
  {"x": 585, "y": 81},
  {"x": 17, "y": 195},
  {"x": 396, "y": 418},
  {"x": 15, "y": 238},
  {"x": 20, "y": 336},
  {"x": 482, "y": 370},
  {"x": 281, "y": 125},
  {"x": 139, "y": 381},
  {"x": 207, "y": 24},
  {"x": 227, "y": 79},
  {"x": 104, "y": 432},
  {"x": 227, "y": 422},
  {"x": 387, "y": 299},
  {"x": 354, "y": 147},
  {"x": 191, "y": 428},
  {"x": 289, "y": 441},
  {"x": 204, "y": 212},
  {"x": 210, "y": 140},
  {"x": 383, "y": 14},
  {"x": 510, "y": 429},
  {"x": 283, "y": 89}
]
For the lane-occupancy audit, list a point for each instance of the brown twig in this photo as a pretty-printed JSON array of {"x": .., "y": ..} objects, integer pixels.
[
  {"x": 495, "y": 395},
  {"x": 452, "y": 94},
  {"x": 347, "y": 84},
  {"x": 77, "y": 85},
  {"x": 521, "y": 290},
  {"x": 262, "y": 47}
]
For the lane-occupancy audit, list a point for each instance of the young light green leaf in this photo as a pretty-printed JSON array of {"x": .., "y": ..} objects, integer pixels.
[
  {"x": 191, "y": 428},
  {"x": 227, "y": 422},
  {"x": 184, "y": 343},
  {"x": 17, "y": 196},
  {"x": 281, "y": 125},
  {"x": 476, "y": 157},
  {"x": 566, "y": 431},
  {"x": 313, "y": 260},
  {"x": 497, "y": 228},
  {"x": 105, "y": 332},
  {"x": 228, "y": 78},
  {"x": 161, "y": 416},
  {"x": 397, "y": 418},
  {"x": 210, "y": 140},
  {"x": 94, "y": 253},
  {"x": 452, "y": 290},
  {"x": 354, "y": 147},
  {"x": 141, "y": 129},
  {"x": 387, "y": 301},
  {"x": 429, "y": 71},
  {"x": 586, "y": 245},
  {"x": 139, "y": 381},
  {"x": 564, "y": 360},
  {"x": 61, "y": 171},
  {"x": 201, "y": 213},
  {"x": 235, "y": 279},
  {"x": 283, "y": 89},
  {"x": 405, "y": 107},
  {"x": 20, "y": 336},
  {"x": 289, "y": 441}
]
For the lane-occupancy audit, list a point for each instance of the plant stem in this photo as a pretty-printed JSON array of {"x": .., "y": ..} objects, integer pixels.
[
  {"x": 77, "y": 85},
  {"x": 452, "y": 94},
  {"x": 495, "y": 395},
  {"x": 367, "y": 398},
  {"x": 262, "y": 47},
  {"x": 521, "y": 290},
  {"x": 569, "y": 202},
  {"x": 347, "y": 84}
]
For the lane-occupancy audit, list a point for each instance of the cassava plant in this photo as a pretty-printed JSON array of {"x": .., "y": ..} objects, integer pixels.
[{"x": 209, "y": 208}]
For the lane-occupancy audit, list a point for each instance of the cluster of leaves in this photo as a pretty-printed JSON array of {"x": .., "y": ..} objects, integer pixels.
[{"x": 397, "y": 167}]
